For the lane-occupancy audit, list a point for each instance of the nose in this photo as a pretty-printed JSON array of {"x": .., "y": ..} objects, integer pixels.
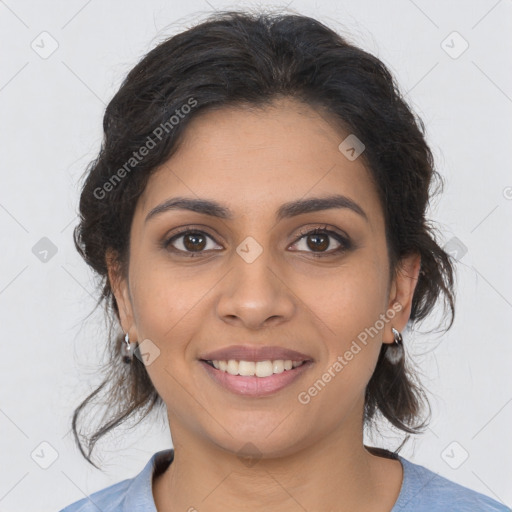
[{"x": 255, "y": 295}]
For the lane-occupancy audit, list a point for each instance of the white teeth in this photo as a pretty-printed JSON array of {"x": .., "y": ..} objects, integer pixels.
[
  {"x": 246, "y": 367},
  {"x": 258, "y": 369},
  {"x": 232, "y": 367},
  {"x": 263, "y": 368},
  {"x": 278, "y": 366}
]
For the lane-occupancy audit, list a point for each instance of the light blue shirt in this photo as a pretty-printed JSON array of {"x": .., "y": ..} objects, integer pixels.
[{"x": 422, "y": 491}]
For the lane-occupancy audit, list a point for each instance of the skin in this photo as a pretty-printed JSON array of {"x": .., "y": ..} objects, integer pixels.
[{"x": 311, "y": 457}]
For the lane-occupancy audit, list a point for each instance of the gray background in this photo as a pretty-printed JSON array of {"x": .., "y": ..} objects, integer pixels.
[{"x": 51, "y": 111}]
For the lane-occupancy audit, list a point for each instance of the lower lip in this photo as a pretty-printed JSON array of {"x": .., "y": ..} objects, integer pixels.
[{"x": 255, "y": 386}]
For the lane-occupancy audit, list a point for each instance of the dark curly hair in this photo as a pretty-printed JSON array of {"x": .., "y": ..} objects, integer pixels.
[{"x": 241, "y": 58}]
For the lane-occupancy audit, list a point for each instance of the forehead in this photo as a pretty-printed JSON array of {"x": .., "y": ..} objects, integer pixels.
[{"x": 253, "y": 159}]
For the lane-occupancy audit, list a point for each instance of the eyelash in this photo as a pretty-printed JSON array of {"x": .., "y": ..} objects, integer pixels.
[{"x": 345, "y": 244}]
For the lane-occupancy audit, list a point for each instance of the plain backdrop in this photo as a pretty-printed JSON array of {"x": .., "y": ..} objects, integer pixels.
[{"x": 61, "y": 64}]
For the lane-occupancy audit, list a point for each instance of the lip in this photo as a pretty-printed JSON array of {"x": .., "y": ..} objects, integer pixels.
[
  {"x": 255, "y": 386},
  {"x": 248, "y": 353}
]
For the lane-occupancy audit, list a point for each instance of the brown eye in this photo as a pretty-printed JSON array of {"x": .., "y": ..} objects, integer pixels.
[
  {"x": 189, "y": 241},
  {"x": 318, "y": 240},
  {"x": 194, "y": 241}
]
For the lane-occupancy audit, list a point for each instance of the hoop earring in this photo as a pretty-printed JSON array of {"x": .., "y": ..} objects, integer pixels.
[
  {"x": 395, "y": 352},
  {"x": 127, "y": 349}
]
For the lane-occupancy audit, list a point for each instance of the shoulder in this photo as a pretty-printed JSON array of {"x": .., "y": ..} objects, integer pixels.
[
  {"x": 133, "y": 494},
  {"x": 423, "y": 490},
  {"x": 107, "y": 500}
]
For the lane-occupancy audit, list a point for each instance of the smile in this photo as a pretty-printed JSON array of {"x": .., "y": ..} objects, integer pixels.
[
  {"x": 255, "y": 379},
  {"x": 255, "y": 368}
]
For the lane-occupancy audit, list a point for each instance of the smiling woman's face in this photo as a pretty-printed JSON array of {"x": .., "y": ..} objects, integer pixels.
[{"x": 254, "y": 280}]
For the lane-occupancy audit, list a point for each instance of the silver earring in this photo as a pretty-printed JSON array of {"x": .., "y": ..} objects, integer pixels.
[
  {"x": 395, "y": 352},
  {"x": 127, "y": 349}
]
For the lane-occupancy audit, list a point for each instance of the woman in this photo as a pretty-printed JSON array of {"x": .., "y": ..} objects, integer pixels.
[{"x": 257, "y": 213}]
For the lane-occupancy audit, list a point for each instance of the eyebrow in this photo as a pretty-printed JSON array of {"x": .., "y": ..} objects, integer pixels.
[{"x": 285, "y": 211}]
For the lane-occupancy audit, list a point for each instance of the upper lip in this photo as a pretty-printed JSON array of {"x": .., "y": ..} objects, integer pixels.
[{"x": 248, "y": 353}]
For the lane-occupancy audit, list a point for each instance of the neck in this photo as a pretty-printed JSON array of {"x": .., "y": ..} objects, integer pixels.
[{"x": 336, "y": 473}]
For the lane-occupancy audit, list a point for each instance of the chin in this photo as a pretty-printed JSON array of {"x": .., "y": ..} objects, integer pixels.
[{"x": 252, "y": 443}]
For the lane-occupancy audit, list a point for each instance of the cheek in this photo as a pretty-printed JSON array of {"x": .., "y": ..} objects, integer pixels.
[
  {"x": 350, "y": 305},
  {"x": 164, "y": 296},
  {"x": 158, "y": 306},
  {"x": 350, "y": 300},
  {"x": 166, "y": 312},
  {"x": 170, "y": 308}
]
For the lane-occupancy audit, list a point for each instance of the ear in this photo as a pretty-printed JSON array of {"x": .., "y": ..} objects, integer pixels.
[
  {"x": 401, "y": 294},
  {"x": 121, "y": 291}
]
